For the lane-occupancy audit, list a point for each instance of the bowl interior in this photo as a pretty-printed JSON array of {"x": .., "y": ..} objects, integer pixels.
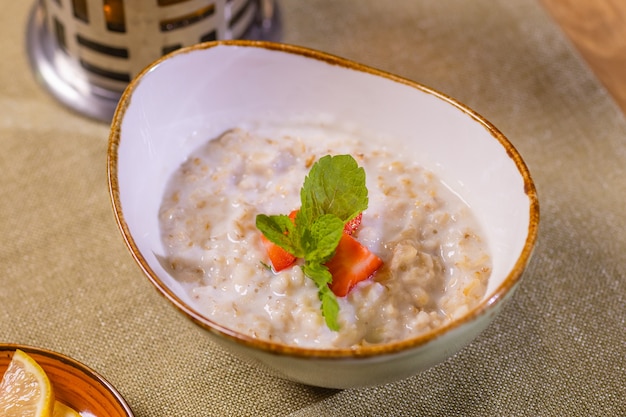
[
  {"x": 74, "y": 384},
  {"x": 194, "y": 95}
]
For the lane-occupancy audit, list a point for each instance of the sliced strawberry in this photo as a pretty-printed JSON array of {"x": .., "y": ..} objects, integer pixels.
[
  {"x": 292, "y": 215},
  {"x": 353, "y": 224},
  {"x": 351, "y": 264},
  {"x": 279, "y": 257}
]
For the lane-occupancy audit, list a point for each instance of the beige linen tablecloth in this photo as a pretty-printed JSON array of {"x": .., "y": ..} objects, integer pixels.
[{"x": 558, "y": 348}]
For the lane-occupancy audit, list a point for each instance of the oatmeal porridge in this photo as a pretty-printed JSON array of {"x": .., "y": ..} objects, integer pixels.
[{"x": 435, "y": 263}]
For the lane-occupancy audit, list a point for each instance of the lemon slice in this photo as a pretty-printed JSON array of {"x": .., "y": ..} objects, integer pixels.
[
  {"x": 25, "y": 390},
  {"x": 62, "y": 410}
]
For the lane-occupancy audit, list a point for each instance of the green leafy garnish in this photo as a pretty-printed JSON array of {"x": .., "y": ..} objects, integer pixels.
[{"x": 333, "y": 193}]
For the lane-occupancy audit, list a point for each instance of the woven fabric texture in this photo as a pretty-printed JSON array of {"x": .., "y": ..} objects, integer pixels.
[{"x": 68, "y": 283}]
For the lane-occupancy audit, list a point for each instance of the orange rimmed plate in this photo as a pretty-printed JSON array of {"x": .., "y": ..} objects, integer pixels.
[{"x": 74, "y": 384}]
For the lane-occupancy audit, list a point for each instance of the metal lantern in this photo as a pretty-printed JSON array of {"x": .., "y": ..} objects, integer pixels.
[{"x": 87, "y": 51}]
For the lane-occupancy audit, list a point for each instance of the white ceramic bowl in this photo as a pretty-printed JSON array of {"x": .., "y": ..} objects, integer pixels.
[{"x": 195, "y": 94}]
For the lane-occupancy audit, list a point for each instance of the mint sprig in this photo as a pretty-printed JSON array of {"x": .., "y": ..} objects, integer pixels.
[{"x": 333, "y": 193}]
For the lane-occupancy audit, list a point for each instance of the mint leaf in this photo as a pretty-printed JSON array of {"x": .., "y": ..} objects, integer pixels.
[
  {"x": 322, "y": 277},
  {"x": 335, "y": 185},
  {"x": 322, "y": 238},
  {"x": 330, "y": 307},
  {"x": 280, "y": 230},
  {"x": 333, "y": 193}
]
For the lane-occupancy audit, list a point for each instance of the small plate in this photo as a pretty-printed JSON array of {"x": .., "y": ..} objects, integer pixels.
[{"x": 74, "y": 384}]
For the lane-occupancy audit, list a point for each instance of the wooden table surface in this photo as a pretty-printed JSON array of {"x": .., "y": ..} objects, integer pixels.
[{"x": 598, "y": 30}]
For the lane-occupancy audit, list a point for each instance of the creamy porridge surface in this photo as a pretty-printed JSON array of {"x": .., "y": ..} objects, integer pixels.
[{"x": 436, "y": 264}]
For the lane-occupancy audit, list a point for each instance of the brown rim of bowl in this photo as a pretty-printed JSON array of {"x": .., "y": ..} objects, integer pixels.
[
  {"x": 357, "y": 352},
  {"x": 66, "y": 361}
]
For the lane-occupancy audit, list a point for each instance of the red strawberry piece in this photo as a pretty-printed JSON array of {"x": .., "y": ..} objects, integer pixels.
[
  {"x": 351, "y": 264},
  {"x": 353, "y": 224},
  {"x": 279, "y": 257}
]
